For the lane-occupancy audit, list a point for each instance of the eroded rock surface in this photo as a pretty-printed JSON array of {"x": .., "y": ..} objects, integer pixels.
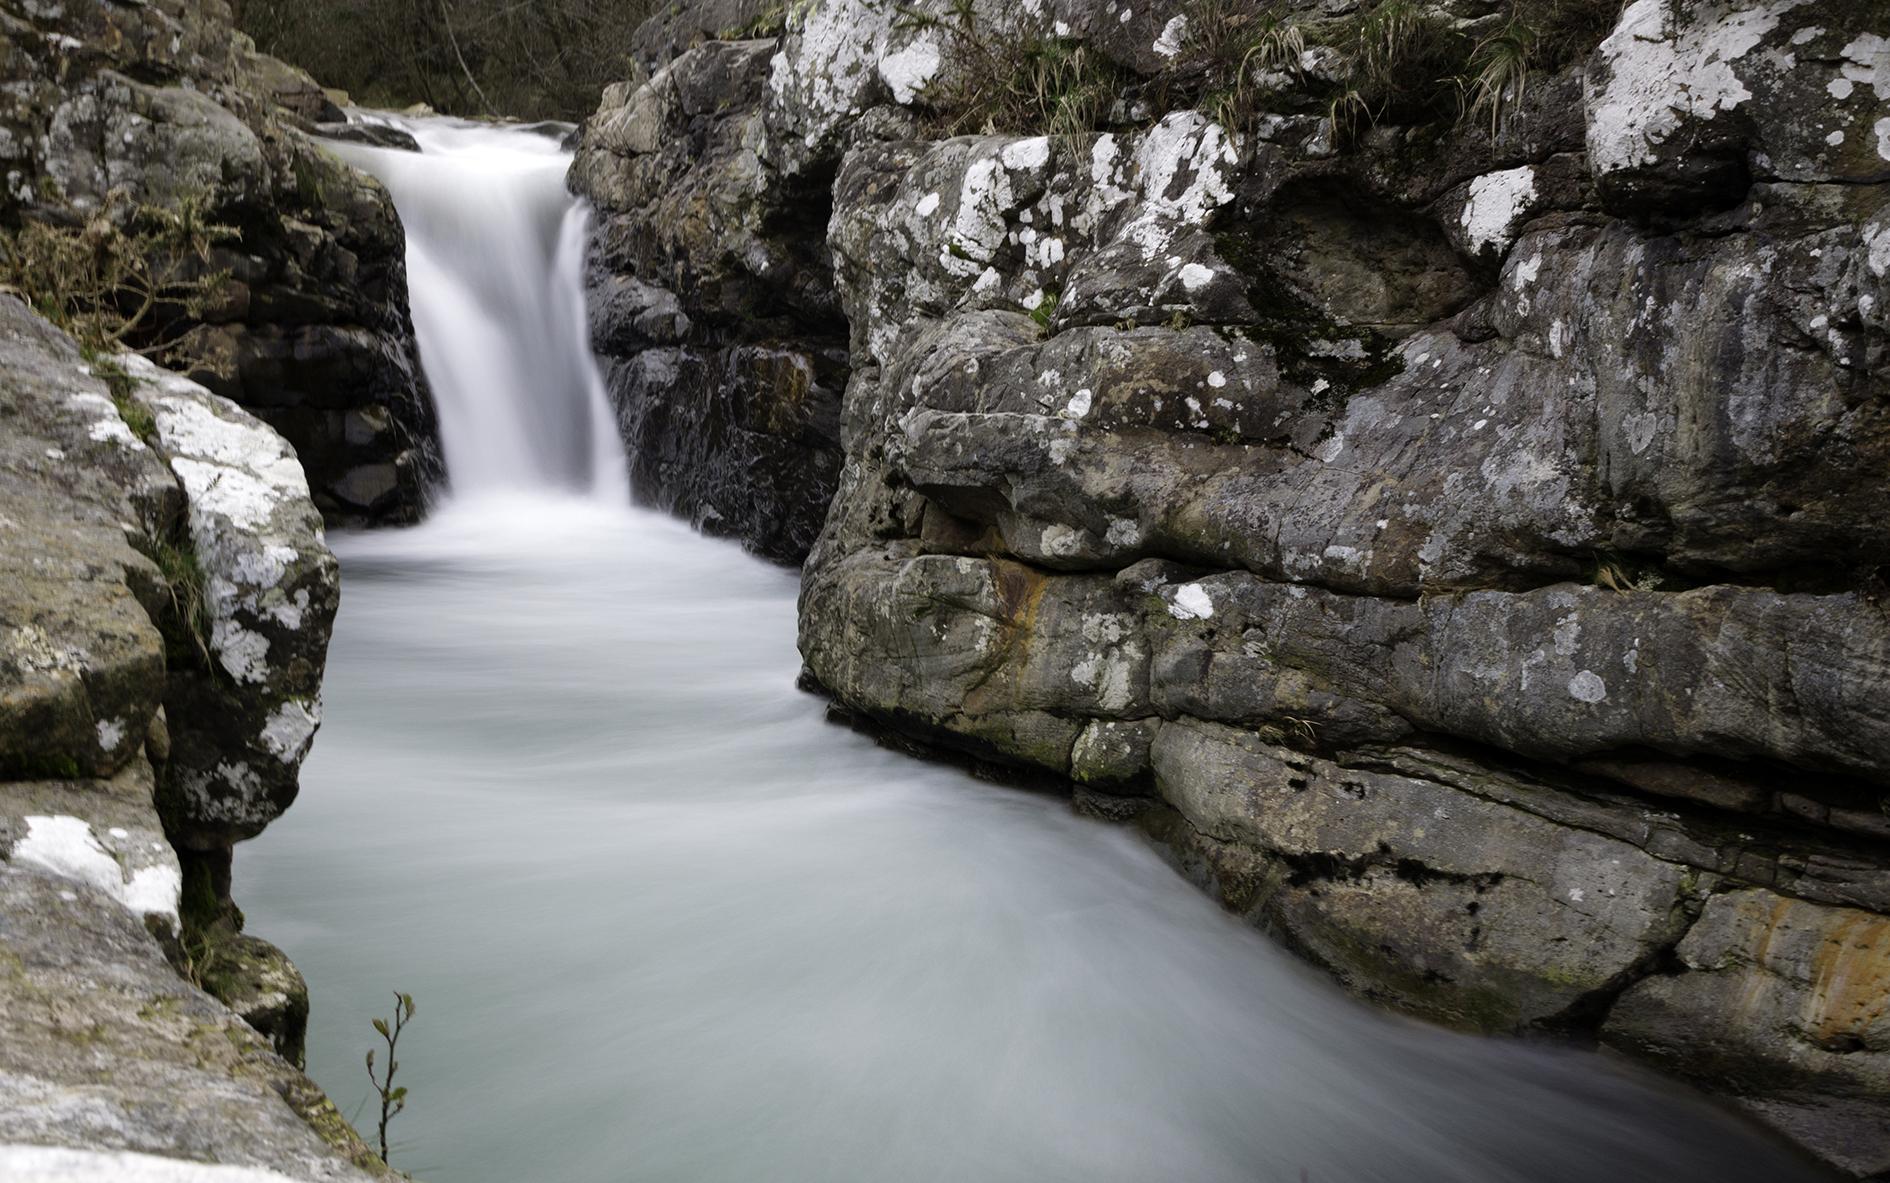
[
  {"x": 1459, "y": 545},
  {"x": 112, "y": 107},
  {"x": 105, "y": 1050},
  {"x": 165, "y": 601},
  {"x": 240, "y": 727},
  {"x": 712, "y": 302}
]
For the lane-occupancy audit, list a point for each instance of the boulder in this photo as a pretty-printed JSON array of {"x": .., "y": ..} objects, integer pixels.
[
  {"x": 1456, "y": 543},
  {"x": 108, "y": 1058},
  {"x": 240, "y": 727},
  {"x": 165, "y": 600}
]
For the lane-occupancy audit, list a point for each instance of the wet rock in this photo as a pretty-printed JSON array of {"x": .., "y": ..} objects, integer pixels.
[
  {"x": 712, "y": 303},
  {"x": 258, "y": 981},
  {"x": 1416, "y": 894},
  {"x": 1458, "y": 545},
  {"x": 375, "y": 135}
]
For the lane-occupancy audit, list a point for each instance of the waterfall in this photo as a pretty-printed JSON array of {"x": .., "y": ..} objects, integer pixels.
[{"x": 495, "y": 260}]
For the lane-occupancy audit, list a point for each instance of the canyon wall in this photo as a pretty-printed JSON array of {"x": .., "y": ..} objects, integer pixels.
[
  {"x": 120, "y": 114},
  {"x": 166, "y": 593},
  {"x": 1456, "y": 540},
  {"x": 165, "y": 605}
]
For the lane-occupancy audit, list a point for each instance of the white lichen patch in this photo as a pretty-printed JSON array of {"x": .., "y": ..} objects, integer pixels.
[
  {"x": 1173, "y": 38},
  {"x": 1877, "y": 248},
  {"x": 291, "y": 729},
  {"x": 1588, "y": 687},
  {"x": 1184, "y": 166},
  {"x": 907, "y": 72},
  {"x": 1495, "y": 207},
  {"x": 1662, "y": 71},
  {"x": 977, "y": 230},
  {"x": 1026, "y": 155},
  {"x": 111, "y": 733},
  {"x": 1191, "y": 602},
  {"x": 67, "y": 846},
  {"x": 1060, "y": 541},
  {"x": 1867, "y": 63}
]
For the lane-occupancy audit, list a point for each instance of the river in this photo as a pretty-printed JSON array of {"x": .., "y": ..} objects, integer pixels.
[{"x": 662, "y": 921}]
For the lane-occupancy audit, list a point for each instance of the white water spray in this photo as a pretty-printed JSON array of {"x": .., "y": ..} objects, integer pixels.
[{"x": 495, "y": 259}]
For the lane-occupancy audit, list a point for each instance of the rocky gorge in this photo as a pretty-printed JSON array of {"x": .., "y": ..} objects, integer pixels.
[
  {"x": 1442, "y": 513},
  {"x": 1458, "y": 543}
]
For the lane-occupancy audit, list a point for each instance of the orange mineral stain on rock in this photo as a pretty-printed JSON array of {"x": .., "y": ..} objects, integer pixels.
[{"x": 1851, "y": 983}]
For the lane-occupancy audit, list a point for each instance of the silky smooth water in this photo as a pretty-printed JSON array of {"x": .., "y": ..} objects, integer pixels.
[{"x": 663, "y": 922}]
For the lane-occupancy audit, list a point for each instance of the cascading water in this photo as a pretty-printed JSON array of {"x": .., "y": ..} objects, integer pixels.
[
  {"x": 664, "y": 923},
  {"x": 495, "y": 252}
]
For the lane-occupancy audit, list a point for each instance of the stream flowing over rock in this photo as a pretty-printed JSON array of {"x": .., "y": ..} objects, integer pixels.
[
  {"x": 113, "y": 107},
  {"x": 1461, "y": 549}
]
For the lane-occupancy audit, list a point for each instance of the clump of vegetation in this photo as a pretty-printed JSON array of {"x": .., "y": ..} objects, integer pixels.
[
  {"x": 1046, "y": 310},
  {"x": 187, "y": 633},
  {"x": 1618, "y": 572},
  {"x": 393, "y": 1097},
  {"x": 124, "y": 279},
  {"x": 1018, "y": 76},
  {"x": 1399, "y": 60},
  {"x": 769, "y": 22}
]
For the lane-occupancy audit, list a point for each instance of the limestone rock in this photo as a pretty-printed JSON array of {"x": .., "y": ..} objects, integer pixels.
[
  {"x": 712, "y": 303},
  {"x": 104, "y": 1049},
  {"x": 239, "y": 730},
  {"x": 81, "y": 663},
  {"x": 1419, "y": 895},
  {"x": 1690, "y": 100},
  {"x": 1459, "y": 546},
  {"x": 102, "y": 833}
]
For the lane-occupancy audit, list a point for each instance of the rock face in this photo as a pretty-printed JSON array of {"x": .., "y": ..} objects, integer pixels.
[
  {"x": 165, "y": 600},
  {"x": 1458, "y": 545},
  {"x": 241, "y": 724},
  {"x": 111, "y": 107},
  {"x": 712, "y": 302},
  {"x": 109, "y": 1053}
]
